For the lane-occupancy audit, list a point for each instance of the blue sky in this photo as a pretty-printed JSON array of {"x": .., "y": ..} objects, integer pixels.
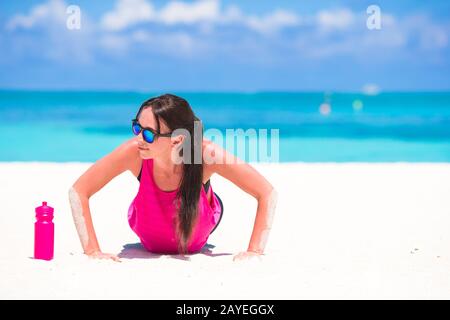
[{"x": 213, "y": 45}]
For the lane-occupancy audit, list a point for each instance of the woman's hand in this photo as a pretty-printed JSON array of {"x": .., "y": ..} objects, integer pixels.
[
  {"x": 247, "y": 255},
  {"x": 102, "y": 255}
]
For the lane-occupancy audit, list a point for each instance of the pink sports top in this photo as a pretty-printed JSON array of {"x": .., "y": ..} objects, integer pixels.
[{"x": 152, "y": 213}]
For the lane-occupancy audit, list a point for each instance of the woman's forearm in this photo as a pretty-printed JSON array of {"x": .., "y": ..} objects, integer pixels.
[
  {"x": 83, "y": 222},
  {"x": 263, "y": 222}
]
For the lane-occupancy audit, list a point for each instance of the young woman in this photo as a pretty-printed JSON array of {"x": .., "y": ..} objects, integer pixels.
[{"x": 175, "y": 209}]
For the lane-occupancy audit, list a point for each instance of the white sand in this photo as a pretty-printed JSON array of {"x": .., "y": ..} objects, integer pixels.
[{"x": 341, "y": 231}]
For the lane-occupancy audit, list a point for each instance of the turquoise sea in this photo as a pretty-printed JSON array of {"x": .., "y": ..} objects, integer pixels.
[{"x": 352, "y": 127}]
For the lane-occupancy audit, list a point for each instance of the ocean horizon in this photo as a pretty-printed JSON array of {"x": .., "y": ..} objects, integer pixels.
[{"x": 85, "y": 125}]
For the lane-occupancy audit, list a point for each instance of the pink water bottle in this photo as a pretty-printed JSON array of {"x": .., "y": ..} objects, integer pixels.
[{"x": 44, "y": 232}]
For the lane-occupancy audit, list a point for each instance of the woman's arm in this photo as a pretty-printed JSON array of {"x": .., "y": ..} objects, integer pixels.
[
  {"x": 91, "y": 181},
  {"x": 251, "y": 181}
]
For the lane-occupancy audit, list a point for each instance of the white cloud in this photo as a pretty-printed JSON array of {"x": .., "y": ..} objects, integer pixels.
[
  {"x": 232, "y": 14},
  {"x": 350, "y": 37},
  {"x": 391, "y": 34},
  {"x": 273, "y": 22},
  {"x": 418, "y": 31},
  {"x": 51, "y": 11},
  {"x": 189, "y": 13},
  {"x": 205, "y": 26},
  {"x": 54, "y": 41},
  {"x": 209, "y": 11},
  {"x": 338, "y": 19},
  {"x": 203, "y": 13},
  {"x": 127, "y": 13},
  {"x": 133, "y": 12},
  {"x": 430, "y": 35}
]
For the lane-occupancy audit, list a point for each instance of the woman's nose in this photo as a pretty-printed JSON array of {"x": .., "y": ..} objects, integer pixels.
[
  {"x": 140, "y": 138},
  {"x": 141, "y": 141}
]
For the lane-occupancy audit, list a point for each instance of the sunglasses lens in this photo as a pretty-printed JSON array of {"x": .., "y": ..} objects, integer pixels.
[
  {"x": 148, "y": 136},
  {"x": 136, "y": 128}
]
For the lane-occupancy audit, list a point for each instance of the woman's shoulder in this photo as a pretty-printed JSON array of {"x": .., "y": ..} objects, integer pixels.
[
  {"x": 209, "y": 151},
  {"x": 208, "y": 148},
  {"x": 130, "y": 147},
  {"x": 135, "y": 161},
  {"x": 214, "y": 154}
]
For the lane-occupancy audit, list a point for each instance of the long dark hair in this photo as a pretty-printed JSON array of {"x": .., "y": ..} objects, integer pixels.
[{"x": 178, "y": 114}]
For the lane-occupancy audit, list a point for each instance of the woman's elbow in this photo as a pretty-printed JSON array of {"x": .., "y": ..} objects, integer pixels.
[
  {"x": 273, "y": 197},
  {"x": 76, "y": 190},
  {"x": 270, "y": 192}
]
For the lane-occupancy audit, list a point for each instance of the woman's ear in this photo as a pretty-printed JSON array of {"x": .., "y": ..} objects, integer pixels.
[
  {"x": 177, "y": 141},
  {"x": 176, "y": 149}
]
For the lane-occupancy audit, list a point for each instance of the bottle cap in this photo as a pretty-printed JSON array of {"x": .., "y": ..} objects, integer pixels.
[{"x": 44, "y": 209}]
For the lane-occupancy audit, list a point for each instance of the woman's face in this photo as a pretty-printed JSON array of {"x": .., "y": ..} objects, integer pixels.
[{"x": 161, "y": 146}]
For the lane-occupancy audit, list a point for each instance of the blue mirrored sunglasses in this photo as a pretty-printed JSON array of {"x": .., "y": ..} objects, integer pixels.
[{"x": 148, "y": 134}]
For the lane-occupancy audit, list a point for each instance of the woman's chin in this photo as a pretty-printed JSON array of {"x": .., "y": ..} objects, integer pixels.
[{"x": 144, "y": 155}]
